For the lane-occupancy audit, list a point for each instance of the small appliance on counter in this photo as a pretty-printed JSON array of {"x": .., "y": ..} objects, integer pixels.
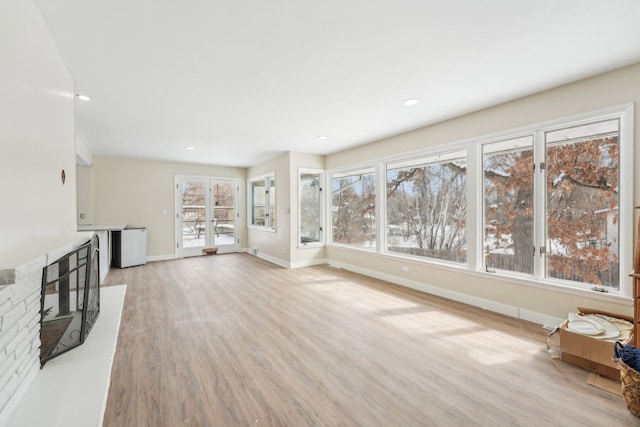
[{"x": 129, "y": 247}]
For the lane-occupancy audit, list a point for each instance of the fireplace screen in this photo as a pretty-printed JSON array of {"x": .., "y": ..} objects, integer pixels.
[{"x": 70, "y": 300}]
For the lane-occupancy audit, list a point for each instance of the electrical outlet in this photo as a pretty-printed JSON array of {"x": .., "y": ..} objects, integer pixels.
[{"x": 405, "y": 268}]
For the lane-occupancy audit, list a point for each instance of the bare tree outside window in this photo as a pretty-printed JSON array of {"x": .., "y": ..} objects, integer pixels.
[
  {"x": 193, "y": 213},
  {"x": 427, "y": 208},
  {"x": 259, "y": 201},
  {"x": 310, "y": 198},
  {"x": 263, "y": 201},
  {"x": 224, "y": 212},
  {"x": 353, "y": 213}
]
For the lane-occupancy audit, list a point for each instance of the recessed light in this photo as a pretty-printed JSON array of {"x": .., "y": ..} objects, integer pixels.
[
  {"x": 323, "y": 137},
  {"x": 83, "y": 97},
  {"x": 189, "y": 147},
  {"x": 410, "y": 102}
]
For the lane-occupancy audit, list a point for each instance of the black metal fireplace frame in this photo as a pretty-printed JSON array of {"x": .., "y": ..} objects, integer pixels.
[{"x": 83, "y": 265}]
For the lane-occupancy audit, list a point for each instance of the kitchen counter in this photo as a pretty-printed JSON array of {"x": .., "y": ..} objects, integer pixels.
[
  {"x": 103, "y": 231},
  {"x": 101, "y": 227}
]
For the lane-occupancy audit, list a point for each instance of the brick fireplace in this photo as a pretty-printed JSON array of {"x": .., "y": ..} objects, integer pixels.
[{"x": 20, "y": 292}]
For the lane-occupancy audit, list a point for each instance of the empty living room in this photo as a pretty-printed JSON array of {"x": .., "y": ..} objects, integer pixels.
[{"x": 333, "y": 214}]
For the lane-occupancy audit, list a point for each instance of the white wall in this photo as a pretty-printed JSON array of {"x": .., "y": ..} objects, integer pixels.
[
  {"x": 36, "y": 144},
  {"x": 141, "y": 193},
  {"x": 274, "y": 245},
  {"x": 36, "y": 131},
  {"x": 301, "y": 256},
  {"x": 281, "y": 246},
  {"x": 85, "y": 194},
  {"x": 615, "y": 88}
]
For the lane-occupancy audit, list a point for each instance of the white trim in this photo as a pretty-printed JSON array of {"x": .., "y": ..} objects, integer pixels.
[
  {"x": 267, "y": 178},
  {"x": 422, "y": 161},
  {"x": 154, "y": 258},
  {"x": 381, "y": 207},
  {"x": 373, "y": 169},
  {"x": 313, "y": 245},
  {"x": 626, "y": 199},
  {"x": 308, "y": 263},
  {"x": 508, "y": 279},
  {"x": 272, "y": 259},
  {"x": 475, "y": 211},
  {"x": 549, "y": 322},
  {"x": 321, "y": 182},
  {"x": 482, "y": 303},
  {"x": 345, "y": 173},
  {"x": 209, "y": 232}
]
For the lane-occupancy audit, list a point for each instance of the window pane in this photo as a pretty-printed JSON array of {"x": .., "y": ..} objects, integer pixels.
[
  {"x": 224, "y": 213},
  {"x": 582, "y": 203},
  {"x": 272, "y": 202},
  {"x": 427, "y": 209},
  {"x": 193, "y": 214},
  {"x": 508, "y": 205},
  {"x": 310, "y": 205},
  {"x": 353, "y": 209},
  {"x": 258, "y": 215},
  {"x": 258, "y": 198}
]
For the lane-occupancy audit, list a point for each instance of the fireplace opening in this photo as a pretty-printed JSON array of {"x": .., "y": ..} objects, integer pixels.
[{"x": 70, "y": 300}]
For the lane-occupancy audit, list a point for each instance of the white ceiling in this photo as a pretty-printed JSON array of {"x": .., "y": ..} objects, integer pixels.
[{"x": 244, "y": 80}]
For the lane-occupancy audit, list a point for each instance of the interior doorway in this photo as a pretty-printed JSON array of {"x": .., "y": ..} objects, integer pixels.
[{"x": 207, "y": 215}]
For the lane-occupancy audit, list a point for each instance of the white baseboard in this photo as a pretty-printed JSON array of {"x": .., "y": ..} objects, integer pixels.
[
  {"x": 309, "y": 263},
  {"x": 539, "y": 318},
  {"x": 272, "y": 259},
  {"x": 485, "y": 304},
  {"x": 161, "y": 258}
]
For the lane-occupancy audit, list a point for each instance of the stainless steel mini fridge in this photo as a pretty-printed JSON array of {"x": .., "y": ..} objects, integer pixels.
[{"x": 129, "y": 247}]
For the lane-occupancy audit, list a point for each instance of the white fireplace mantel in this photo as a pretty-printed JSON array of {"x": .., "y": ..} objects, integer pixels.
[{"x": 50, "y": 249}]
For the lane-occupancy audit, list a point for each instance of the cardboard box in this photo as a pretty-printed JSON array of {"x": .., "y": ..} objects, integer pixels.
[{"x": 588, "y": 352}]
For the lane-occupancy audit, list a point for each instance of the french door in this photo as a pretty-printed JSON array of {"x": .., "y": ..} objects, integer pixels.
[{"x": 207, "y": 215}]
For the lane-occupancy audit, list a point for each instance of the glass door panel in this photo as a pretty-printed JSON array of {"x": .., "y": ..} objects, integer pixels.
[
  {"x": 192, "y": 216},
  {"x": 207, "y": 215},
  {"x": 224, "y": 216}
]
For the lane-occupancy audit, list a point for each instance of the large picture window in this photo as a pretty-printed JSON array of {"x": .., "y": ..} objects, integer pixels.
[
  {"x": 543, "y": 204},
  {"x": 353, "y": 213},
  {"x": 427, "y": 207}
]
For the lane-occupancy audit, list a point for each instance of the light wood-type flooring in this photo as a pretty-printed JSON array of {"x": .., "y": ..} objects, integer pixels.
[{"x": 232, "y": 340}]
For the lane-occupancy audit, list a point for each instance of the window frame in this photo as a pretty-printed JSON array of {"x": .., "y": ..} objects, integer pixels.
[
  {"x": 423, "y": 161},
  {"x": 625, "y": 198},
  {"x": 269, "y": 206},
  {"x": 343, "y": 173},
  {"x": 321, "y": 207},
  {"x": 482, "y": 266}
]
